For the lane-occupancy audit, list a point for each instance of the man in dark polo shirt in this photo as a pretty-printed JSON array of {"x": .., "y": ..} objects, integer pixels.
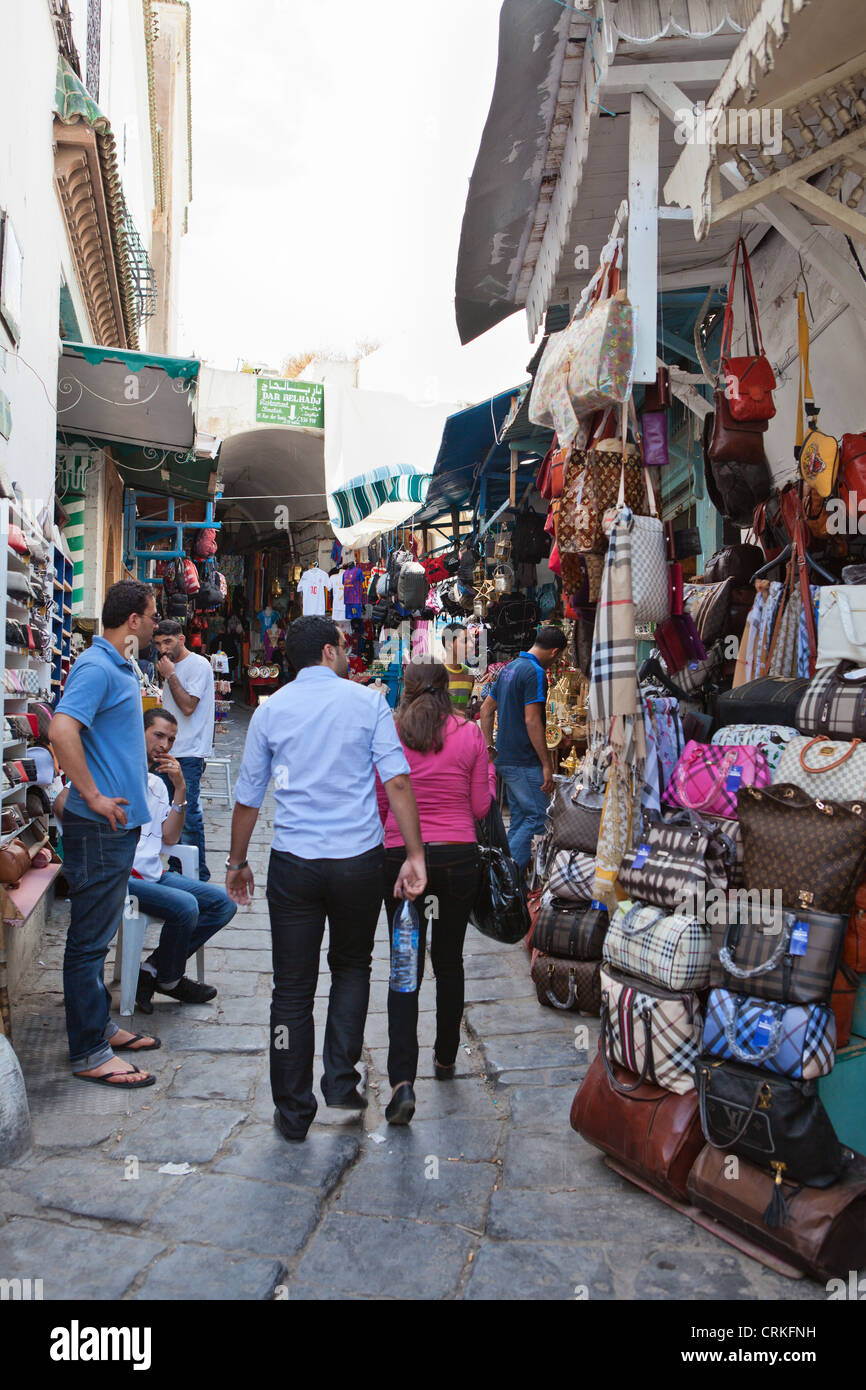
[{"x": 519, "y": 696}]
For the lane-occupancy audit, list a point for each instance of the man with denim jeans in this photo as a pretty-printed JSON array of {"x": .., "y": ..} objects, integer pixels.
[
  {"x": 519, "y": 697},
  {"x": 188, "y": 694},
  {"x": 98, "y": 736},
  {"x": 322, "y": 738}
]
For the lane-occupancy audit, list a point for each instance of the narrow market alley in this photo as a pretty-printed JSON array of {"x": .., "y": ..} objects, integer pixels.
[{"x": 488, "y": 1194}]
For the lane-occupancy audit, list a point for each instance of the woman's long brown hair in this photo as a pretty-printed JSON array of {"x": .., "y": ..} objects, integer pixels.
[{"x": 425, "y": 706}]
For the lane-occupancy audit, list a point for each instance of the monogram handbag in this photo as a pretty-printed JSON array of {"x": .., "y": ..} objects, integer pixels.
[
  {"x": 572, "y": 933},
  {"x": 796, "y": 1040},
  {"x": 653, "y": 1033},
  {"x": 707, "y": 777},
  {"x": 791, "y": 959},
  {"x": 673, "y": 860},
  {"x": 772, "y": 739},
  {"x": 779, "y": 1124},
  {"x": 652, "y": 1132},
  {"x": 841, "y": 625},
  {"x": 820, "y": 1230},
  {"x": 834, "y": 704},
  {"x": 824, "y": 767},
  {"x": 592, "y": 482},
  {"x": 574, "y": 816},
  {"x": 570, "y": 875},
  {"x": 812, "y": 851},
  {"x": 567, "y": 984},
  {"x": 668, "y": 950}
]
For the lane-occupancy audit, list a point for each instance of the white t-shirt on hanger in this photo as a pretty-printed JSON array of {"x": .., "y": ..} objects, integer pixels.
[
  {"x": 312, "y": 587},
  {"x": 335, "y": 584}
]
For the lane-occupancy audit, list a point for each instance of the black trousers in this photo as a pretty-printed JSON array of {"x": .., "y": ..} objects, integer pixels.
[
  {"x": 452, "y": 883},
  {"x": 301, "y": 894}
]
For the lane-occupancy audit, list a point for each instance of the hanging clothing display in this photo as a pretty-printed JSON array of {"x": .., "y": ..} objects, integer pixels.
[{"x": 313, "y": 586}]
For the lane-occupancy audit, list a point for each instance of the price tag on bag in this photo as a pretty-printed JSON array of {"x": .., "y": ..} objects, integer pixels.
[
  {"x": 642, "y": 855},
  {"x": 763, "y": 1030},
  {"x": 735, "y": 777},
  {"x": 599, "y": 907},
  {"x": 799, "y": 943}
]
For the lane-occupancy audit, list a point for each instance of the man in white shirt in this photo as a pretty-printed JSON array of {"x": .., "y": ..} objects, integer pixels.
[
  {"x": 192, "y": 912},
  {"x": 188, "y": 694},
  {"x": 312, "y": 587}
]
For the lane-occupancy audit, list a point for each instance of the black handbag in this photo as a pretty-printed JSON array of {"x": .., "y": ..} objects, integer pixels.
[
  {"x": 773, "y": 1121},
  {"x": 569, "y": 931},
  {"x": 500, "y": 909},
  {"x": 789, "y": 959}
]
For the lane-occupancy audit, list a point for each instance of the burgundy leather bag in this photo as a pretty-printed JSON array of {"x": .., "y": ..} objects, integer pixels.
[{"x": 654, "y": 1133}]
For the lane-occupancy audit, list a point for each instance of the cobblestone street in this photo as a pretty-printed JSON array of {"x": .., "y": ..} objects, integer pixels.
[{"x": 488, "y": 1194}]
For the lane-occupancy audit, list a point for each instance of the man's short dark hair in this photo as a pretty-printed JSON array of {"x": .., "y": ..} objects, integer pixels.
[
  {"x": 168, "y": 627},
  {"x": 150, "y": 715},
  {"x": 552, "y": 639},
  {"x": 123, "y": 599},
  {"x": 307, "y": 638}
]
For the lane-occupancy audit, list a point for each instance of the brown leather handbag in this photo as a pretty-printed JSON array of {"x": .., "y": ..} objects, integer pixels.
[
  {"x": 567, "y": 984},
  {"x": 819, "y": 1229},
  {"x": 14, "y": 863},
  {"x": 655, "y": 1134},
  {"x": 812, "y": 851},
  {"x": 854, "y": 945}
]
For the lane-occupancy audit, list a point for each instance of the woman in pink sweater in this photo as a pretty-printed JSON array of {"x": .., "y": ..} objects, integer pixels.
[{"x": 451, "y": 777}]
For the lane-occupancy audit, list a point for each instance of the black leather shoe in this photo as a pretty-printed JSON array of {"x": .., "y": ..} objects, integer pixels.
[
  {"x": 287, "y": 1133},
  {"x": 144, "y": 992},
  {"x": 401, "y": 1106},
  {"x": 353, "y": 1102},
  {"x": 188, "y": 991},
  {"x": 444, "y": 1073}
]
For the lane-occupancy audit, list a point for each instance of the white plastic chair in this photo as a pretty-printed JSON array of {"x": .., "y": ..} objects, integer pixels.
[{"x": 130, "y": 937}]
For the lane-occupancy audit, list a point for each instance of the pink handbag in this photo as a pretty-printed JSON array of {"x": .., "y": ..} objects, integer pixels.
[{"x": 707, "y": 777}]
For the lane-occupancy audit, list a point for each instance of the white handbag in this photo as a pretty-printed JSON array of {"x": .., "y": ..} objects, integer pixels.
[
  {"x": 832, "y": 769},
  {"x": 841, "y": 625}
]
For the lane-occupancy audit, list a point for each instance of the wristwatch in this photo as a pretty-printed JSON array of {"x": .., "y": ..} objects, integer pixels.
[
  {"x": 242, "y": 865},
  {"x": 175, "y": 807}
]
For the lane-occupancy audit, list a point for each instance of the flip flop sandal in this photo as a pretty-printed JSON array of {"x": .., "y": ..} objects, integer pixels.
[
  {"x": 118, "y": 1085},
  {"x": 136, "y": 1037}
]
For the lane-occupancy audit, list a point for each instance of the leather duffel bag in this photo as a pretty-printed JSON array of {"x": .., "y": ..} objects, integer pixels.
[
  {"x": 790, "y": 958},
  {"x": 652, "y": 1132},
  {"x": 567, "y": 984},
  {"x": 772, "y": 1121},
  {"x": 570, "y": 931},
  {"x": 820, "y": 1230},
  {"x": 833, "y": 704},
  {"x": 768, "y": 700}
]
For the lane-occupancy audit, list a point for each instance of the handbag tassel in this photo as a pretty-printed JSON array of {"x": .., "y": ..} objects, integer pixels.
[{"x": 777, "y": 1212}]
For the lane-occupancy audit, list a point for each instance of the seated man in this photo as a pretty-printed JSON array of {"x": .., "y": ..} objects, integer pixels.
[{"x": 192, "y": 911}]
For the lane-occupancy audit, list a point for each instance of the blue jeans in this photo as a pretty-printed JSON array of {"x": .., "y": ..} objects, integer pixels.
[
  {"x": 192, "y": 912},
  {"x": 193, "y": 825},
  {"x": 528, "y": 806},
  {"x": 96, "y": 862}
]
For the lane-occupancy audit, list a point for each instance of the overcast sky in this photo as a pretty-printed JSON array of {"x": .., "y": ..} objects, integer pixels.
[{"x": 333, "y": 142}]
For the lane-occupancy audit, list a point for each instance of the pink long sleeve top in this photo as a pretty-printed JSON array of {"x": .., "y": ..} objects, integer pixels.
[{"x": 453, "y": 788}]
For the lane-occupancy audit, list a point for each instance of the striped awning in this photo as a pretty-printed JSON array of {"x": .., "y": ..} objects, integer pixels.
[{"x": 376, "y": 501}]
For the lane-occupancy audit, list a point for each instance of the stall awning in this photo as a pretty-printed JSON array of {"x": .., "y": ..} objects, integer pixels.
[
  {"x": 472, "y": 446},
  {"x": 369, "y": 504}
]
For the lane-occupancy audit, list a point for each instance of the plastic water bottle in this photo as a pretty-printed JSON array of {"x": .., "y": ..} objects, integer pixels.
[{"x": 404, "y": 949}]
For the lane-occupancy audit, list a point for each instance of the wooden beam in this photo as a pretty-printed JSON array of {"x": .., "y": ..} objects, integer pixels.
[
  {"x": 668, "y": 213},
  {"x": 830, "y": 210},
  {"x": 779, "y": 183},
  {"x": 512, "y": 479},
  {"x": 678, "y": 344},
  {"x": 636, "y": 77},
  {"x": 643, "y": 230}
]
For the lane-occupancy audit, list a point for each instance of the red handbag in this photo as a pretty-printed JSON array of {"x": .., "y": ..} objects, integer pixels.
[
  {"x": 852, "y": 472},
  {"x": 558, "y": 463},
  {"x": 749, "y": 381}
]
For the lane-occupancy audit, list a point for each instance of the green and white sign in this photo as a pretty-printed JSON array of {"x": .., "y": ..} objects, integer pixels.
[{"x": 280, "y": 402}]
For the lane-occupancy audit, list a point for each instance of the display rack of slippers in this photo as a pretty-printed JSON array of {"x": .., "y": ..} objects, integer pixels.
[{"x": 731, "y": 990}]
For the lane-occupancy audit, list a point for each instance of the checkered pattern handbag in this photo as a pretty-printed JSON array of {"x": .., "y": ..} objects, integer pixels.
[
  {"x": 652, "y": 1032},
  {"x": 678, "y": 860},
  {"x": 753, "y": 954},
  {"x": 825, "y": 767},
  {"x": 672, "y": 951},
  {"x": 795, "y": 1040},
  {"x": 571, "y": 874},
  {"x": 832, "y": 705}
]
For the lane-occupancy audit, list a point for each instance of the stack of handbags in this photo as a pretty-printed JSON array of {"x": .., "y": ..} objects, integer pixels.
[{"x": 771, "y": 740}]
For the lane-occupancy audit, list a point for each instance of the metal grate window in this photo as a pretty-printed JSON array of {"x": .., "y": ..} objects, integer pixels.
[
  {"x": 142, "y": 272},
  {"x": 94, "y": 37}
]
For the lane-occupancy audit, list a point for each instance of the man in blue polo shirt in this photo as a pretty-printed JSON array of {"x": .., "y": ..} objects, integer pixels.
[
  {"x": 519, "y": 697},
  {"x": 98, "y": 736}
]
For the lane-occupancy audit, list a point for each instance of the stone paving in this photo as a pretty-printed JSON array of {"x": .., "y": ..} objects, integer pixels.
[{"x": 487, "y": 1195}]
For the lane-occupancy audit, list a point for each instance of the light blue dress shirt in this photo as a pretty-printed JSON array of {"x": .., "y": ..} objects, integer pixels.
[{"x": 321, "y": 739}]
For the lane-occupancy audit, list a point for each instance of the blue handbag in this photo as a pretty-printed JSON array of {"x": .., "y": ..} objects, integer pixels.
[{"x": 795, "y": 1040}]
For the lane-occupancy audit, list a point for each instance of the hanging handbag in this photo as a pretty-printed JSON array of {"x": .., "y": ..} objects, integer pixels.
[
  {"x": 820, "y": 1230},
  {"x": 671, "y": 951},
  {"x": 570, "y": 875},
  {"x": 191, "y": 582},
  {"x": 813, "y": 852},
  {"x": 674, "y": 862},
  {"x": 654, "y": 425},
  {"x": 749, "y": 381},
  {"x": 774, "y": 1122},
  {"x": 852, "y": 474},
  {"x": 573, "y": 933},
  {"x": 709, "y": 606},
  {"x": 650, "y": 579},
  {"x": 567, "y": 984},
  {"x": 842, "y": 625},
  {"x": 834, "y": 703},
  {"x": 737, "y": 562},
  {"x": 652, "y": 1132},
  {"x": 574, "y": 816},
  {"x": 736, "y": 471},
  {"x": 787, "y": 957},
  {"x": 591, "y": 488},
  {"x": 795, "y": 1040},
  {"x": 823, "y": 767},
  {"x": 708, "y": 777},
  {"x": 653, "y": 1033}
]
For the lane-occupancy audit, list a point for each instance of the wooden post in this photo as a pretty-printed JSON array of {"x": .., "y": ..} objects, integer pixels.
[
  {"x": 643, "y": 230},
  {"x": 455, "y": 526},
  {"x": 512, "y": 480}
]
